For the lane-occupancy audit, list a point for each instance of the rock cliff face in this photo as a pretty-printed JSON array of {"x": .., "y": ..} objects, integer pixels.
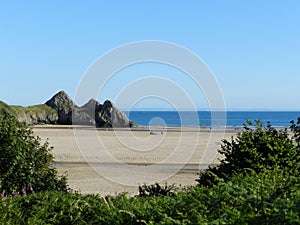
[
  {"x": 87, "y": 114},
  {"x": 63, "y": 105},
  {"x": 92, "y": 113},
  {"x": 108, "y": 115},
  {"x": 60, "y": 109}
]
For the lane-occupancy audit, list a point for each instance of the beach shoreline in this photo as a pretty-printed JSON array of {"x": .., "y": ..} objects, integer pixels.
[{"x": 111, "y": 161}]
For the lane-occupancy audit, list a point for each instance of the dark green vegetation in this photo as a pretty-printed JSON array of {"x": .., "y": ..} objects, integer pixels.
[
  {"x": 24, "y": 162},
  {"x": 258, "y": 149},
  {"x": 157, "y": 190},
  {"x": 258, "y": 182},
  {"x": 265, "y": 198}
]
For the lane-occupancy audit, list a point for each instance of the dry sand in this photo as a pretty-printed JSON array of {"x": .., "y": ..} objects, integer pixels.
[{"x": 109, "y": 162}]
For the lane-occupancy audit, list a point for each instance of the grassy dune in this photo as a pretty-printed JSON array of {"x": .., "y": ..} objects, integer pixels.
[{"x": 31, "y": 114}]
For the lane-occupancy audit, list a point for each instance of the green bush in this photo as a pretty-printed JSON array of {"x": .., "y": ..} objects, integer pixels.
[
  {"x": 249, "y": 194},
  {"x": 258, "y": 149},
  {"x": 270, "y": 197},
  {"x": 295, "y": 127},
  {"x": 24, "y": 162},
  {"x": 157, "y": 190}
]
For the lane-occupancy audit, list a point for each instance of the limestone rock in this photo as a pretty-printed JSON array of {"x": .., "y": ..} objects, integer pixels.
[
  {"x": 86, "y": 114},
  {"x": 112, "y": 116},
  {"x": 60, "y": 109},
  {"x": 64, "y": 106}
]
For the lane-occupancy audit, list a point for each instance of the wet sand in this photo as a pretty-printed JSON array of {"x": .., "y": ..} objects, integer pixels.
[{"x": 112, "y": 161}]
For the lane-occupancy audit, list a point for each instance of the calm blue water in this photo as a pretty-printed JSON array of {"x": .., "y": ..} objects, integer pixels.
[{"x": 203, "y": 118}]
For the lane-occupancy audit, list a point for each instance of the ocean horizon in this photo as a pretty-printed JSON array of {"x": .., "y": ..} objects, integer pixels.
[{"x": 203, "y": 118}]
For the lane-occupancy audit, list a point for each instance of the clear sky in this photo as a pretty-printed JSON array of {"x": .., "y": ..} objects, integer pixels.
[{"x": 252, "y": 47}]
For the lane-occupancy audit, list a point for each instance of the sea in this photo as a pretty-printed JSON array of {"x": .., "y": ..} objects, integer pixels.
[{"x": 208, "y": 119}]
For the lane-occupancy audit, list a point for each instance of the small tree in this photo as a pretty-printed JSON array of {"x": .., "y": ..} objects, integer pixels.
[
  {"x": 257, "y": 149},
  {"x": 24, "y": 162}
]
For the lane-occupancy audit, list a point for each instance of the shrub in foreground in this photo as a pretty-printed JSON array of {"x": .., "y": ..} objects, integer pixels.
[
  {"x": 246, "y": 194},
  {"x": 295, "y": 127},
  {"x": 24, "y": 161},
  {"x": 270, "y": 197},
  {"x": 157, "y": 190},
  {"x": 257, "y": 149}
]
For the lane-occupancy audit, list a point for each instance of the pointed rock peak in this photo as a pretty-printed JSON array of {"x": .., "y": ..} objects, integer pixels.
[
  {"x": 91, "y": 103},
  {"x": 92, "y": 100},
  {"x": 59, "y": 100},
  {"x": 107, "y": 103},
  {"x": 62, "y": 94}
]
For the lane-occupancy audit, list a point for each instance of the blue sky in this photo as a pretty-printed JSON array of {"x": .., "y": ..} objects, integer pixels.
[{"x": 252, "y": 47}]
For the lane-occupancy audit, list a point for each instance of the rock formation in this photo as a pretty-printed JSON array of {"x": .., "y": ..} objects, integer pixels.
[
  {"x": 108, "y": 115},
  {"x": 60, "y": 109},
  {"x": 63, "y": 105}
]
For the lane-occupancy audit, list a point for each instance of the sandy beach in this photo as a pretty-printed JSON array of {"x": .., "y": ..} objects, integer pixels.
[{"x": 109, "y": 161}]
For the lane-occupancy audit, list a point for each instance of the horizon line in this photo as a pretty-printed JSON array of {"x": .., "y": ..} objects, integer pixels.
[{"x": 207, "y": 109}]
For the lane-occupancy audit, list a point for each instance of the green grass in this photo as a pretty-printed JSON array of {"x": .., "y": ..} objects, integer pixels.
[
  {"x": 35, "y": 112},
  {"x": 35, "y": 109}
]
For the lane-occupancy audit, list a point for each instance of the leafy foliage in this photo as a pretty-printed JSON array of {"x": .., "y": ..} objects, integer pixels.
[
  {"x": 24, "y": 162},
  {"x": 238, "y": 192},
  {"x": 295, "y": 127},
  {"x": 270, "y": 197},
  {"x": 156, "y": 190},
  {"x": 258, "y": 149},
  {"x": 4, "y": 109}
]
